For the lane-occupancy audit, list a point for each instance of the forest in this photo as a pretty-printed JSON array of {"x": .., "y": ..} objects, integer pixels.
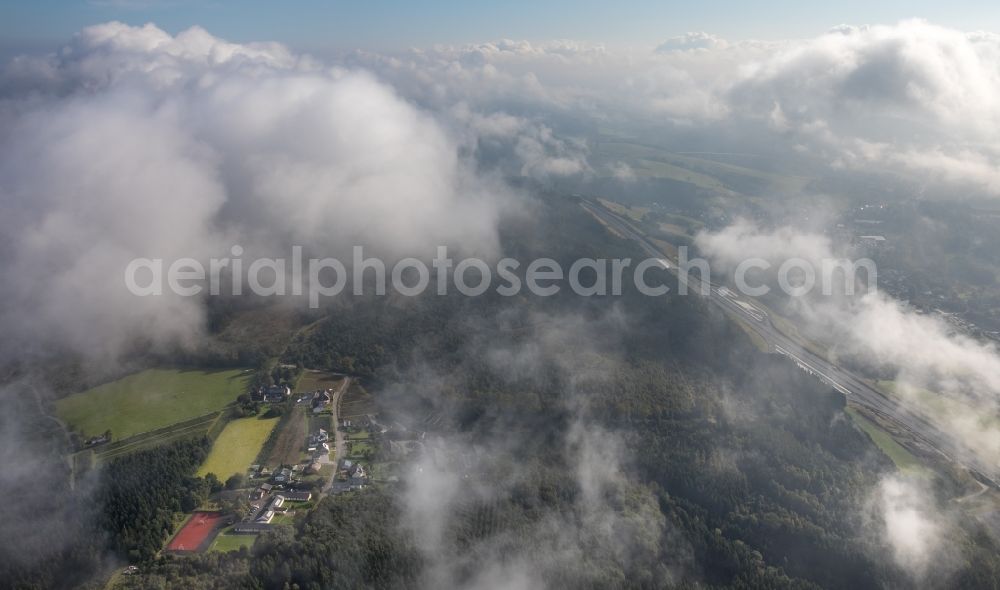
[{"x": 733, "y": 470}]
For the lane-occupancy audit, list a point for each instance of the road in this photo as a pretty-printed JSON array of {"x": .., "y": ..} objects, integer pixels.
[
  {"x": 338, "y": 435},
  {"x": 844, "y": 381}
]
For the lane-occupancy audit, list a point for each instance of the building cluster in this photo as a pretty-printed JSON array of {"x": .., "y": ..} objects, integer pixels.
[
  {"x": 265, "y": 503},
  {"x": 319, "y": 440},
  {"x": 273, "y": 394},
  {"x": 321, "y": 400}
]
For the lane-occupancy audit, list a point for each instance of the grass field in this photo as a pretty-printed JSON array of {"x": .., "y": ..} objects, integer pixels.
[
  {"x": 237, "y": 446},
  {"x": 358, "y": 449},
  {"x": 198, "y": 426},
  {"x": 903, "y": 459},
  {"x": 227, "y": 541},
  {"x": 283, "y": 518},
  {"x": 704, "y": 172},
  {"x": 151, "y": 399}
]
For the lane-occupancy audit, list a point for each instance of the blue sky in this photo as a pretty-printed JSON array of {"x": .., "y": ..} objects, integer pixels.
[{"x": 390, "y": 24}]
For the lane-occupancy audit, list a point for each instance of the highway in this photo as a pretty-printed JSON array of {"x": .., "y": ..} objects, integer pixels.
[{"x": 853, "y": 387}]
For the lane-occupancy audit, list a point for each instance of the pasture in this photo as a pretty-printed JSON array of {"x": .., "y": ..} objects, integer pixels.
[{"x": 150, "y": 400}]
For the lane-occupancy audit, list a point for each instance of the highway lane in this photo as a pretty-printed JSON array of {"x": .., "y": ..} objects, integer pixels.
[{"x": 844, "y": 381}]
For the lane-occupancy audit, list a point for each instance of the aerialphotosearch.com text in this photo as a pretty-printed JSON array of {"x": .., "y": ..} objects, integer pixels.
[{"x": 318, "y": 278}]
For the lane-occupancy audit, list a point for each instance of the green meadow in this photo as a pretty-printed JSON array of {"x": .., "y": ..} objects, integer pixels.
[
  {"x": 237, "y": 446},
  {"x": 151, "y": 399}
]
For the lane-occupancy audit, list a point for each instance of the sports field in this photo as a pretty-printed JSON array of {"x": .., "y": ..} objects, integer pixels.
[
  {"x": 151, "y": 399},
  {"x": 195, "y": 531},
  {"x": 237, "y": 446},
  {"x": 229, "y": 541}
]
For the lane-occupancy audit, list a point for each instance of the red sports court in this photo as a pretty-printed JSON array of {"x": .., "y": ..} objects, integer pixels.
[{"x": 195, "y": 532}]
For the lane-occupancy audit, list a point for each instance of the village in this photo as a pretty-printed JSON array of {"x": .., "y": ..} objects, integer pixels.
[{"x": 323, "y": 438}]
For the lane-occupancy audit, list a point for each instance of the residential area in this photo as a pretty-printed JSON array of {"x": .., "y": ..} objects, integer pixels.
[{"x": 276, "y": 448}]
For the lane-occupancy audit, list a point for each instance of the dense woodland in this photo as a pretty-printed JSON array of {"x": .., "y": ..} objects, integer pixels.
[
  {"x": 141, "y": 493},
  {"x": 756, "y": 476}
]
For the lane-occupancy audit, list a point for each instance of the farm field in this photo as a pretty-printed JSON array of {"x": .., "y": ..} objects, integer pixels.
[
  {"x": 237, "y": 446},
  {"x": 357, "y": 402},
  {"x": 151, "y": 399},
  {"x": 313, "y": 380},
  {"x": 289, "y": 441}
]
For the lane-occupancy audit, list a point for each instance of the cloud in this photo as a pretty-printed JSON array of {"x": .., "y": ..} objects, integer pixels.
[
  {"x": 54, "y": 527},
  {"x": 520, "y": 146},
  {"x": 920, "y": 352},
  {"x": 951, "y": 380},
  {"x": 603, "y": 521},
  {"x": 912, "y": 98},
  {"x": 692, "y": 41},
  {"x": 912, "y": 527},
  {"x": 569, "y": 82},
  {"x": 131, "y": 142}
]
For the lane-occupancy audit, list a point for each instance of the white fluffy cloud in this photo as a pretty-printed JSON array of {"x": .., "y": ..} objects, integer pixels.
[
  {"x": 913, "y": 97},
  {"x": 253, "y": 142},
  {"x": 611, "y": 522},
  {"x": 134, "y": 143},
  {"x": 921, "y": 351},
  {"x": 912, "y": 527},
  {"x": 951, "y": 380},
  {"x": 692, "y": 42},
  {"x": 524, "y": 147}
]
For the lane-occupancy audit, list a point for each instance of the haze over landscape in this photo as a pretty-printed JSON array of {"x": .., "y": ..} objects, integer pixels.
[{"x": 535, "y": 296}]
